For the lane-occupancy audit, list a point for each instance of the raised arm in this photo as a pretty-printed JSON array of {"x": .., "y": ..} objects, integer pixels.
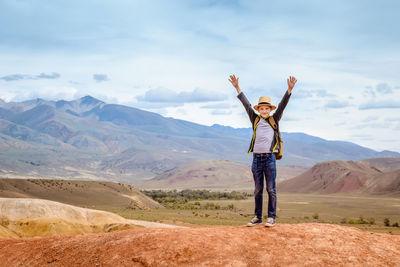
[
  {"x": 247, "y": 106},
  {"x": 291, "y": 81}
]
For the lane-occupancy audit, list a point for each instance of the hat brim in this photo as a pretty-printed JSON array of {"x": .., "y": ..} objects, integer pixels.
[{"x": 271, "y": 106}]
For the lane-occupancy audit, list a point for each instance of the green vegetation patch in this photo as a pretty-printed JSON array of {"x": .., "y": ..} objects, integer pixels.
[{"x": 190, "y": 199}]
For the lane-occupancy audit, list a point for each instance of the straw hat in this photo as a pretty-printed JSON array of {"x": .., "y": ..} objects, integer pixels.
[{"x": 264, "y": 101}]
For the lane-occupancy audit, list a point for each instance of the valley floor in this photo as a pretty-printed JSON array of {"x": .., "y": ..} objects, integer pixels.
[{"x": 364, "y": 212}]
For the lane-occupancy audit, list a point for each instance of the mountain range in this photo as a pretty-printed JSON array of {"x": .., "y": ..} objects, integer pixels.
[{"x": 87, "y": 138}]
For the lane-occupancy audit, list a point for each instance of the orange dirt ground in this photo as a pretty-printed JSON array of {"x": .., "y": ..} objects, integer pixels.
[{"x": 305, "y": 244}]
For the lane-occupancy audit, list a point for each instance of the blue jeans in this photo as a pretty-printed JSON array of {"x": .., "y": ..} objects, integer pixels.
[{"x": 264, "y": 165}]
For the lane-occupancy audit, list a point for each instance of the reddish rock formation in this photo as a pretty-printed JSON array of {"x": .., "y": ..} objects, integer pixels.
[
  {"x": 284, "y": 245},
  {"x": 331, "y": 177}
]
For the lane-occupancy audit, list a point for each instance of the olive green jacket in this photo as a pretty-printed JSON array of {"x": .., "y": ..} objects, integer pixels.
[{"x": 253, "y": 115}]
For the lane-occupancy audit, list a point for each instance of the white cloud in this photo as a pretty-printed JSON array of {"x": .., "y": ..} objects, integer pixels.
[
  {"x": 393, "y": 119},
  {"x": 217, "y": 106},
  {"x": 100, "y": 77},
  {"x": 164, "y": 95},
  {"x": 370, "y": 119},
  {"x": 221, "y": 112},
  {"x": 380, "y": 104},
  {"x": 337, "y": 104},
  {"x": 384, "y": 88},
  {"x": 48, "y": 93},
  {"x": 18, "y": 76}
]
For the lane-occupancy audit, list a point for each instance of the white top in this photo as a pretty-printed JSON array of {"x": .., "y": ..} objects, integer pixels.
[{"x": 264, "y": 137}]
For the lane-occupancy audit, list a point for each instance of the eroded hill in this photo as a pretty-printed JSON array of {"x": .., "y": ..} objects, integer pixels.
[
  {"x": 91, "y": 194},
  {"x": 24, "y": 217},
  {"x": 373, "y": 176}
]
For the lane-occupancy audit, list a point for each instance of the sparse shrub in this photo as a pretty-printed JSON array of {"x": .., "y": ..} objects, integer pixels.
[
  {"x": 361, "y": 220},
  {"x": 386, "y": 222},
  {"x": 184, "y": 196},
  {"x": 231, "y": 206},
  {"x": 396, "y": 224},
  {"x": 306, "y": 217},
  {"x": 209, "y": 206},
  {"x": 315, "y": 216}
]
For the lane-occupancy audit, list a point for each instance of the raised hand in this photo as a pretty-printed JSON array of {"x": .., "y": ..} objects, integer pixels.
[
  {"x": 291, "y": 81},
  {"x": 235, "y": 82}
]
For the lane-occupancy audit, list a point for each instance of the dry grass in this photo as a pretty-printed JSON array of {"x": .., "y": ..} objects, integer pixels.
[{"x": 292, "y": 208}]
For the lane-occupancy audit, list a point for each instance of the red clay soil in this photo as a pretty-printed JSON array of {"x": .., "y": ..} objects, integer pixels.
[{"x": 284, "y": 245}]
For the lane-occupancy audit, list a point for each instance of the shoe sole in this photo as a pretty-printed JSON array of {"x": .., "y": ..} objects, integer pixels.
[
  {"x": 251, "y": 225},
  {"x": 269, "y": 225}
]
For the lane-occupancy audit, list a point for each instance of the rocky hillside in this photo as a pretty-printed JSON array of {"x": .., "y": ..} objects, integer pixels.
[
  {"x": 347, "y": 176},
  {"x": 308, "y": 244},
  {"x": 383, "y": 164},
  {"x": 387, "y": 183}
]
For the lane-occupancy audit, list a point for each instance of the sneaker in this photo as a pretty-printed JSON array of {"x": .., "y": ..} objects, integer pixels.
[
  {"x": 254, "y": 221},
  {"x": 270, "y": 222}
]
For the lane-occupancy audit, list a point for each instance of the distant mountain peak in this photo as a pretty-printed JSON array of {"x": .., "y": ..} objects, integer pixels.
[
  {"x": 35, "y": 101},
  {"x": 216, "y": 125},
  {"x": 80, "y": 105},
  {"x": 89, "y": 100}
]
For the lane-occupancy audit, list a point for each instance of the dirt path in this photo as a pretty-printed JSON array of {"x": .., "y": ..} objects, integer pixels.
[{"x": 154, "y": 224}]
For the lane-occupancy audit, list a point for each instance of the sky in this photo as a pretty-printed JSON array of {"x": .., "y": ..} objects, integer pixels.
[{"x": 175, "y": 57}]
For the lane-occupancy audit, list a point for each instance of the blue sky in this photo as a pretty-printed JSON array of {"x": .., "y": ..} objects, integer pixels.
[{"x": 175, "y": 57}]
